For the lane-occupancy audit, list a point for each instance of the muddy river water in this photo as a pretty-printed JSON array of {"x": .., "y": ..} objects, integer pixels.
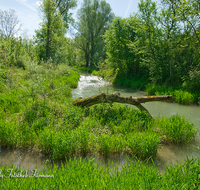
[{"x": 91, "y": 85}]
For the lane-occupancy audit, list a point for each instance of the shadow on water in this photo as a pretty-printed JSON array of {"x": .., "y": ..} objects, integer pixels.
[{"x": 91, "y": 85}]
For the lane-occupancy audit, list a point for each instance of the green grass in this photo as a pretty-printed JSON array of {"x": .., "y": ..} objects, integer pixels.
[
  {"x": 176, "y": 129},
  {"x": 36, "y": 111},
  {"x": 179, "y": 96},
  {"x": 62, "y": 131},
  {"x": 84, "y": 174},
  {"x": 143, "y": 144}
]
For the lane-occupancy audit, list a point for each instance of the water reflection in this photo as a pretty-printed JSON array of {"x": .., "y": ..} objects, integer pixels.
[{"x": 25, "y": 159}]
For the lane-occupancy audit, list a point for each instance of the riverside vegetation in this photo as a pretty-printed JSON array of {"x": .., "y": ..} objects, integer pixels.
[
  {"x": 36, "y": 79},
  {"x": 36, "y": 111},
  {"x": 156, "y": 49}
]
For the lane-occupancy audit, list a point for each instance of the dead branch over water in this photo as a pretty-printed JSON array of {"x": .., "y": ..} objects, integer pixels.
[{"x": 110, "y": 98}]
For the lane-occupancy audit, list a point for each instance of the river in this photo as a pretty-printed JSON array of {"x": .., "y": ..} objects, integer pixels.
[{"x": 92, "y": 85}]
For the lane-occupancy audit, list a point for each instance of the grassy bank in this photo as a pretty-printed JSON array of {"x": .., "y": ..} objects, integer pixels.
[
  {"x": 135, "y": 82},
  {"x": 83, "y": 69},
  {"x": 82, "y": 174},
  {"x": 179, "y": 95}
]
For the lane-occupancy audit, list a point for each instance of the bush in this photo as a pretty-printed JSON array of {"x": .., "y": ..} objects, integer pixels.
[
  {"x": 183, "y": 97},
  {"x": 20, "y": 62}
]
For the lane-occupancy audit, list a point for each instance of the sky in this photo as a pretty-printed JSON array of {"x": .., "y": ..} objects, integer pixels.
[{"x": 28, "y": 11}]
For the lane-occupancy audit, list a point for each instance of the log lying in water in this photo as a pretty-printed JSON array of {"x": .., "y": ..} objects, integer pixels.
[{"x": 103, "y": 98}]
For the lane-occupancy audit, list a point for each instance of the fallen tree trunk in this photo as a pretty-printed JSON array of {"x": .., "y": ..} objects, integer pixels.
[{"x": 103, "y": 98}]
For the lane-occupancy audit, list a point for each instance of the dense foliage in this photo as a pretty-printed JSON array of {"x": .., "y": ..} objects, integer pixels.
[
  {"x": 160, "y": 44},
  {"x": 93, "y": 19},
  {"x": 51, "y": 43}
]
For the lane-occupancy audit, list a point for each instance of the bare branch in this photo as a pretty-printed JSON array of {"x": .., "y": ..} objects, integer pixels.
[{"x": 9, "y": 23}]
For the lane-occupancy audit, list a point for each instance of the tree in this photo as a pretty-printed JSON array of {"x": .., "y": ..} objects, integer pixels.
[
  {"x": 64, "y": 6},
  {"x": 188, "y": 13},
  {"x": 161, "y": 42},
  {"x": 9, "y": 23},
  {"x": 50, "y": 38},
  {"x": 119, "y": 55},
  {"x": 187, "y": 49},
  {"x": 94, "y": 17}
]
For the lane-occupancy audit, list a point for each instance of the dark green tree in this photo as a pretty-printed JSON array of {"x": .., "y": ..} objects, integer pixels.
[
  {"x": 93, "y": 19},
  {"x": 50, "y": 38}
]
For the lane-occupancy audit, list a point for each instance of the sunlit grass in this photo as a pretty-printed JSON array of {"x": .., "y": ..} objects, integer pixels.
[
  {"x": 179, "y": 96},
  {"x": 85, "y": 174},
  {"x": 176, "y": 129},
  {"x": 36, "y": 111}
]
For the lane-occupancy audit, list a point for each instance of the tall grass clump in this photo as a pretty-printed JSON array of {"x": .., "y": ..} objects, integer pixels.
[
  {"x": 84, "y": 141},
  {"x": 105, "y": 144},
  {"x": 179, "y": 96},
  {"x": 57, "y": 144},
  {"x": 72, "y": 117},
  {"x": 8, "y": 133},
  {"x": 13, "y": 134},
  {"x": 176, "y": 129},
  {"x": 143, "y": 144},
  {"x": 38, "y": 115},
  {"x": 10, "y": 102},
  {"x": 123, "y": 117},
  {"x": 183, "y": 175}
]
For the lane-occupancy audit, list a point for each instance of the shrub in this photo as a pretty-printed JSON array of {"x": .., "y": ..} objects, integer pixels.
[{"x": 183, "y": 97}]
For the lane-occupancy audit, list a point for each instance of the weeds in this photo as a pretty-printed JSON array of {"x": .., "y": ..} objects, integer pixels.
[{"x": 143, "y": 144}]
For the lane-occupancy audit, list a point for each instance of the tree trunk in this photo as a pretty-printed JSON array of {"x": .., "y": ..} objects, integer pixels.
[
  {"x": 103, "y": 98},
  {"x": 48, "y": 32},
  {"x": 87, "y": 56}
]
